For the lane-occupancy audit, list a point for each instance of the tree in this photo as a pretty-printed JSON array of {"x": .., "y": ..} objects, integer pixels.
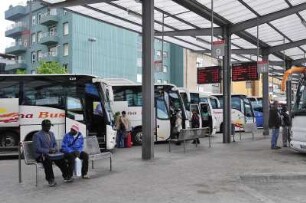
[
  {"x": 21, "y": 71},
  {"x": 52, "y": 67}
]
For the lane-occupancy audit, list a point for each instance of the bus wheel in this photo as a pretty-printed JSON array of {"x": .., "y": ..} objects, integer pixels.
[
  {"x": 137, "y": 137},
  {"x": 9, "y": 139}
]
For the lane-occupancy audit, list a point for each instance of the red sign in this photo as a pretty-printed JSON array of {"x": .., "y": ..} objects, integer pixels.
[
  {"x": 208, "y": 75},
  {"x": 244, "y": 71}
]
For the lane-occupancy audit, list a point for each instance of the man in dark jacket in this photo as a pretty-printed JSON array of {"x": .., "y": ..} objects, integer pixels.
[
  {"x": 285, "y": 125},
  {"x": 274, "y": 123},
  {"x": 72, "y": 146},
  {"x": 44, "y": 144}
]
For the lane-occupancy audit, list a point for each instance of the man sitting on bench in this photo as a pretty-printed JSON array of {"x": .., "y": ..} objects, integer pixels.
[{"x": 72, "y": 146}]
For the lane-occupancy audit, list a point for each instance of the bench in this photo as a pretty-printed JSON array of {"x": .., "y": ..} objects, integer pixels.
[
  {"x": 190, "y": 134},
  {"x": 91, "y": 146}
]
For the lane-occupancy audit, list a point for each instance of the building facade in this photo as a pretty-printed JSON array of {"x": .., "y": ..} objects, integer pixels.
[{"x": 84, "y": 45}]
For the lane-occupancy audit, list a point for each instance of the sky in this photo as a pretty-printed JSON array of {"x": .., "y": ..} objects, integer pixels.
[{"x": 5, "y": 42}]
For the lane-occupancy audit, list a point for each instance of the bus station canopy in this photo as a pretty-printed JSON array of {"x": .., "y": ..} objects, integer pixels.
[{"x": 274, "y": 27}]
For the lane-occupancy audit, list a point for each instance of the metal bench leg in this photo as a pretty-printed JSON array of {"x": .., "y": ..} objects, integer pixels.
[
  {"x": 36, "y": 175},
  {"x": 110, "y": 163},
  {"x": 19, "y": 163},
  {"x": 184, "y": 147},
  {"x": 169, "y": 147},
  {"x": 209, "y": 141},
  {"x": 92, "y": 164},
  {"x": 196, "y": 141}
]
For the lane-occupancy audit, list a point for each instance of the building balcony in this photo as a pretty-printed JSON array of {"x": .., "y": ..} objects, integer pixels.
[
  {"x": 15, "y": 30},
  {"x": 15, "y": 66},
  {"x": 16, "y": 48},
  {"x": 15, "y": 12},
  {"x": 49, "y": 39},
  {"x": 51, "y": 56},
  {"x": 49, "y": 19}
]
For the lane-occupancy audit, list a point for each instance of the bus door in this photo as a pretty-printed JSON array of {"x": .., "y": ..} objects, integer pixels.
[
  {"x": 195, "y": 107},
  {"x": 163, "y": 120},
  {"x": 74, "y": 114}
]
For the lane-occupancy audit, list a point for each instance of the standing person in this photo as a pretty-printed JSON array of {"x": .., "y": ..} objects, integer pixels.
[
  {"x": 285, "y": 125},
  {"x": 122, "y": 126},
  {"x": 206, "y": 117},
  {"x": 178, "y": 124},
  {"x": 195, "y": 123},
  {"x": 274, "y": 123},
  {"x": 72, "y": 146},
  {"x": 44, "y": 143}
]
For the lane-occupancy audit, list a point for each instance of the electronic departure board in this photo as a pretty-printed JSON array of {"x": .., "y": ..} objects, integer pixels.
[
  {"x": 209, "y": 75},
  {"x": 244, "y": 71}
]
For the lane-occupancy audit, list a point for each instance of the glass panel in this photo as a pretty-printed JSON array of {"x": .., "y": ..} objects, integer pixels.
[
  {"x": 162, "y": 111},
  {"x": 236, "y": 103}
]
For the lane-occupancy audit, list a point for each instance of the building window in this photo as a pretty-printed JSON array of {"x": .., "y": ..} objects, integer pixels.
[
  {"x": 165, "y": 69},
  {"x": 159, "y": 81},
  {"x": 165, "y": 54},
  {"x": 39, "y": 36},
  {"x": 33, "y": 38},
  {"x": 52, "y": 51},
  {"x": 65, "y": 12},
  {"x": 39, "y": 15},
  {"x": 33, "y": 57},
  {"x": 53, "y": 11},
  {"x": 158, "y": 54},
  {"x": 66, "y": 67},
  {"x": 165, "y": 81},
  {"x": 52, "y": 31},
  {"x": 66, "y": 49},
  {"x": 39, "y": 55},
  {"x": 66, "y": 28},
  {"x": 33, "y": 20},
  {"x": 139, "y": 78}
]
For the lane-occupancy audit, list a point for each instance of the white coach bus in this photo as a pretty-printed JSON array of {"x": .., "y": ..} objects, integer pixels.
[
  {"x": 26, "y": 100},
  {"x": 125, "y": 95}
]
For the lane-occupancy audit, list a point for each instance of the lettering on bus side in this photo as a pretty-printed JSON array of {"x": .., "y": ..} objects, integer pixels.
[
  {"x": 43, "y": 115},
  {"x": 130, "y": 113}
]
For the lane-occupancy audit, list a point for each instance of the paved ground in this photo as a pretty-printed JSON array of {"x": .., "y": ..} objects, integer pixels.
[{"x": 244, "y": 171}]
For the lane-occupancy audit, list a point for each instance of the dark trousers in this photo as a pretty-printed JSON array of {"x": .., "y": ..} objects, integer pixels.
[
  {"x": 47, "y": 163},
  {"x": 70, "y": 157}
]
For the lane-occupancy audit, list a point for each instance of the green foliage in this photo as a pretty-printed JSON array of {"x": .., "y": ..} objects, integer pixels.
[
  {"x": 21, "y": 71},
  {"x": 52, "y": 67}
]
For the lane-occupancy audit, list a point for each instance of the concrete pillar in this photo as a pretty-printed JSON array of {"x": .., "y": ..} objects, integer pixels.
[{"x": 265, "y": 97}]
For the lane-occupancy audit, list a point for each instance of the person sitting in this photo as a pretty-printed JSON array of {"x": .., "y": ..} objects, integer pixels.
[
  {"x": 195, "y": 123},
  {"x": 44, "y": 144},
  {"x": 72, "y": 146}
]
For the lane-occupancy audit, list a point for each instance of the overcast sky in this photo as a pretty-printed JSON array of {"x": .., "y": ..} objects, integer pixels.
[{"x": 4, "y": 42}]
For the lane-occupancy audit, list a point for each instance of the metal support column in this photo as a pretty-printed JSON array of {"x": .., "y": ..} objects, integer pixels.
[
  {"x": 227, "y": 87},
  {"x": 265, "y": 96},
  {"x": 148, "y": 79}
]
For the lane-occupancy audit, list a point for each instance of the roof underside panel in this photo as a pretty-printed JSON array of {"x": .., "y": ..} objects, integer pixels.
[
  {"x": 232, "y": 10},
  {"x": 294, "y": 53},
  {"x": 267, "y": 34},
  {"x": 297, "y": 2},
  {"x": 263, "y": 7},
  {"x": 291, "y": 26},
  {"x": 242, "y": 43}
]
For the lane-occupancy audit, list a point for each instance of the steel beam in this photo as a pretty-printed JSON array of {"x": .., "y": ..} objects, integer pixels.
[
  {"x": 236, "y": 51},
  {"x": 148, "y": 119},
  {"x": 197, "y": 32},
  {"x": 286, "y": 46},
  {"x": 267, "y": 18}
]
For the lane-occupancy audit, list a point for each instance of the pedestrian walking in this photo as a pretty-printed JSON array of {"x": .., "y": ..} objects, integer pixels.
[
  {"x": 195, "y": 123},
  {"x": 122, "y": 126},
  {"x": 285, "y": 125}
]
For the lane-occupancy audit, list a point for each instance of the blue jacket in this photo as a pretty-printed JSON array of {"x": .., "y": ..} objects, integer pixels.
[
  {"x": 41, "y": 143},
  {"x": 77, "y": 146}
]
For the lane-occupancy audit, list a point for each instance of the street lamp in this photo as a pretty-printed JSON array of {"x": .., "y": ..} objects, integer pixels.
[{"x": 92, "y": 40}]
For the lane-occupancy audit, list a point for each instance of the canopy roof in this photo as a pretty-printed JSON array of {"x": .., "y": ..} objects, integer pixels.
[{"x": 281, "y": 25}]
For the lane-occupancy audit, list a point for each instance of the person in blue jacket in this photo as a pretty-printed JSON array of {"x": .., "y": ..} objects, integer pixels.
[
  {"x": 72, "y": 146},
  {"x": 44, "y": 143}
]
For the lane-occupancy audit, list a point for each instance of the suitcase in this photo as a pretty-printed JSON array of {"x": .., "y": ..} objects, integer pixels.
[{"x": 128, "y": 140}]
